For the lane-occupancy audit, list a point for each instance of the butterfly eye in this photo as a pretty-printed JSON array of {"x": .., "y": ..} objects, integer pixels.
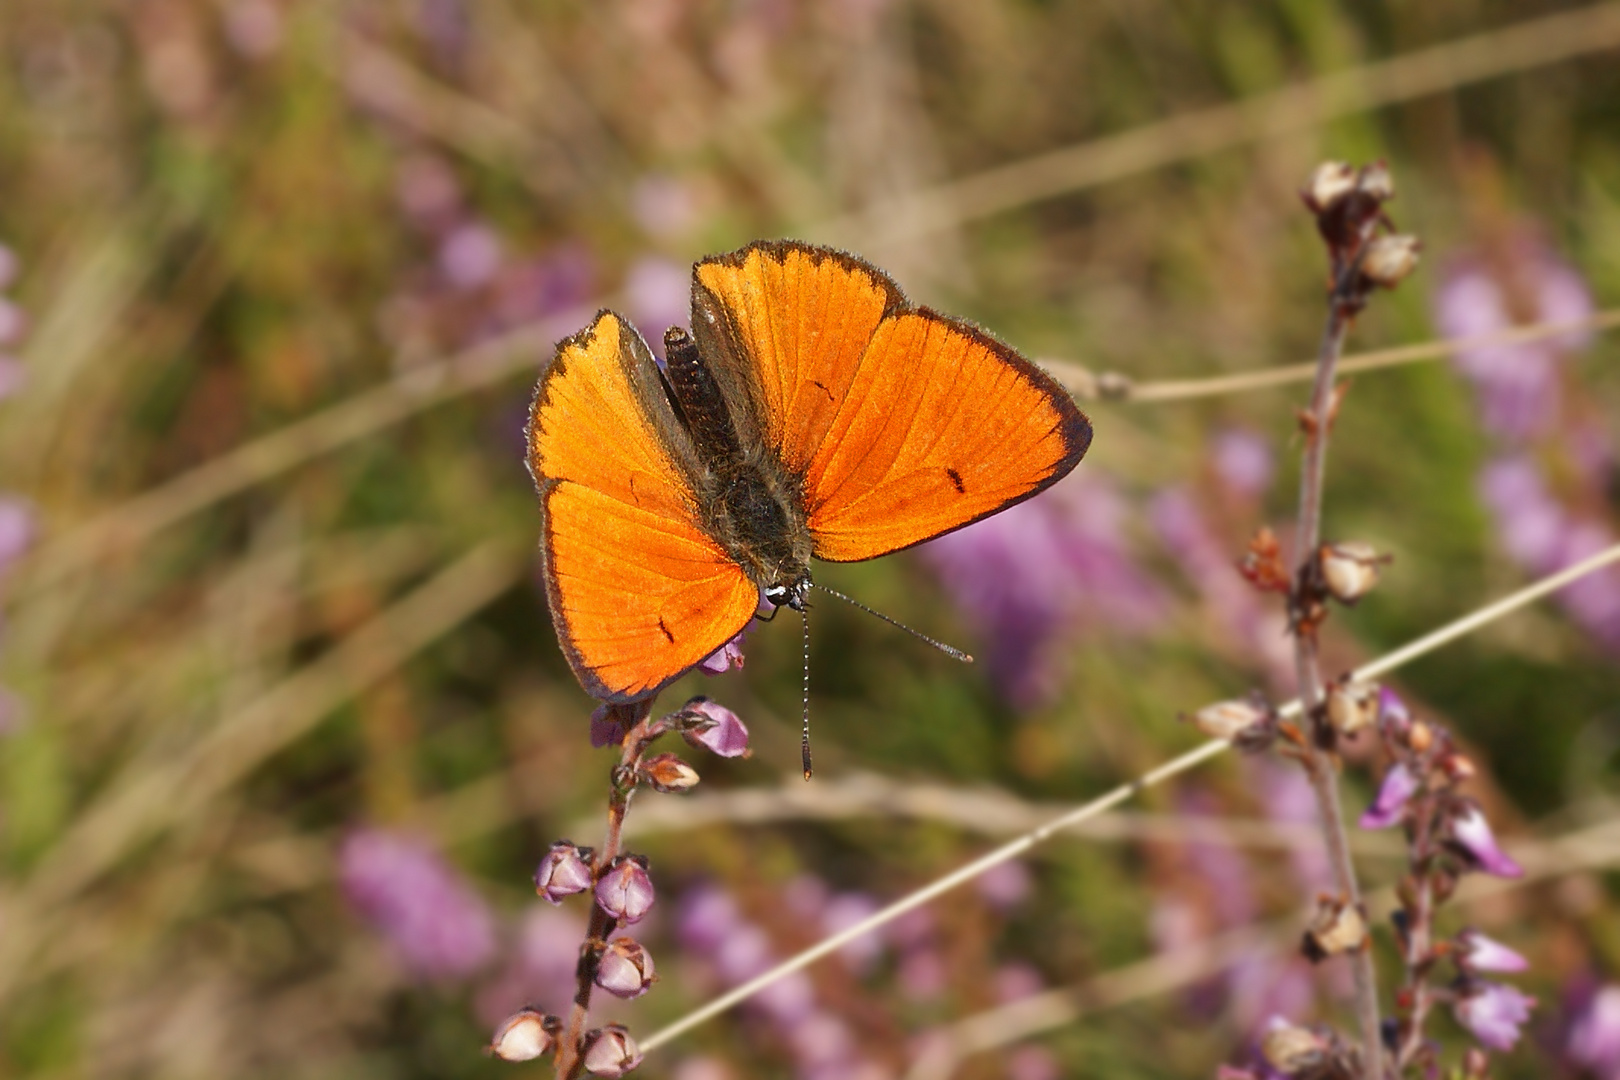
[{"x": 778, "y": 594}]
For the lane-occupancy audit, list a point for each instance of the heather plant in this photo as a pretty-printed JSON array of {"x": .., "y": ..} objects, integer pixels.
[{"x": 294, "y": 782}]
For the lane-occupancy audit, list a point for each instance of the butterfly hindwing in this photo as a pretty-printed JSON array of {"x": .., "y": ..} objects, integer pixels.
[
  {"x": 902, "y": 423},
  {"x": 639, "y": 592}
]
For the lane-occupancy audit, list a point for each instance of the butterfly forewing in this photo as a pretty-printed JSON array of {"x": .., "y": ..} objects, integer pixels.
[
  {"x": 639, "y": 592},
  {"x": 902, "y": 424}
]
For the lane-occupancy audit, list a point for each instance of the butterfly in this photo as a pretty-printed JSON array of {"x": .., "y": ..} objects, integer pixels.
[{"x": 811, "y": 413}]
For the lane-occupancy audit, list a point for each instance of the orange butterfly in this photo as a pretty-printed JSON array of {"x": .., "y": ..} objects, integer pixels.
[{"x": 812, "y": 412}]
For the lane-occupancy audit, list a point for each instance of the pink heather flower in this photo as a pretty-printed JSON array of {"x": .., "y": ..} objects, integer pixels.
[
  {"x": 922, "y": 974},
  {"x": 539, "y": 967},
  {"x": 1494, "y": 1013},
  {"x": 1517, "y": 384},
  {"x": 470, "y": 256},
  {"x": 608, "y": 726},
  {"x": 560, "y": 282},
  {"x": 13, "y": 323},
  {"x": 705, "y": 917},
  {"x": 821, "y": 1039},
  {"x": 658, "y": 295},
  {"x": 1472, "y": 833},
  {"x": 426, "y": 188},
  {"x": 789, "y": 1000},
  {"x": 563, "y": 871},
  {"x": 844, "y": 911},
  {"x": 1005, "y": 885},
  {"x": 1033, "y": 575},
  {"x": 17, "y": 528},
  {"x": 1531, "y": 523},
  {"x": 1476, "y": 952},
  {"x": 1389, "y": 806},
  {"x": 1393, "y": 716},
  {"x": 610, "y": 1051},
  {"x": 1033, "y": 1063},
  {"x": 1243, "y": 461},
  {"x": 625, "y": 968},
  {"x": 1594, "y": 1036},
  {"x": 437, "y": 924},
  {"x": 1015, "y": 981},
  {"x": 726, "y": 657},
  {"x": 253, "y": 27},
  {"x": 716, "y": 728},
  {"x": 626, "y": 889},
  {"x": 1593, "y": 602},
  {"x": 1241, "y": 615}
]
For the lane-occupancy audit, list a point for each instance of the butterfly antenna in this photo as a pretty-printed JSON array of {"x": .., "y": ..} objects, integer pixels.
[
  {"x": 952, "y": 652},
  {"x": 804, "y": 739}
]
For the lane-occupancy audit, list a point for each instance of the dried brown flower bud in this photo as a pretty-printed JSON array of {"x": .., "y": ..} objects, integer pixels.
[
  {"x": 1349, "y": 570},
  {"x": 1332, "y": 182},
  {"x": 1352, "y": 706},
  {"x": 1420, "y": 737},
  {"x": 1337, "y": 927},
  {"x": 1292, "y": 1050},
  {"x": 1376, "y": 182},
  {"x": 1232, "y": 720},
  {"x": 1457, "y": 767},
  {"x": 524, "y": 1035},
  {"x": 668, "y": 773},
  {"x": 1389, "y": 259}
]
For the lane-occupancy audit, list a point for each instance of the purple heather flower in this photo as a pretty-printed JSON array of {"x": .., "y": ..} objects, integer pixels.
[
  {"x": 821, "y": 1039},
  {"x": 922, "y": 974},
  {"x": 844, "y": 911},
  {"x": 1531, "y": 523},
  {"x": 563, "y": 871},
  {"x": 1289, "y": 800},
  {"x": 1594, "y": 1035},
  {"x": 705, "y": 917},
  {"x": 1005, "y": 885},
  {"x": 561, "y": 282},
  {"x": 726, "y": 657},
  {"x": 540, "y": 967},
  {"x": 1393, "y": 716},
  {"x": 13, "y": 323},
  {"x": 626, "y": 889},
  {"x": 1517, "y": 384},
  {"x": 1476, "y": 952},
  {"x": 787, "y": 1000},
  {"x": 719, "y": 730},
  {"x": 1593, "y": 601},
  {"x": 742, "y": 953},
  {"x": 438, "y": 925},
  {"x": 470, "y": 256},
  {"x": 1033, "y": 1063},
  {"x": 1494, "y": 1013},
  {"x": 1389, "y": 805},
  {"x": 625, "y": 968},
  {"x": 1243, "y": 461},
  {"x": 658, "y": 294},
  {"x": 1032, "y": 575},
  {"x": 610, "y": 1051},
  {"x": 17, "y": 528},
  {"x": 1472, "y": 833},
  {"x": 1015, "y": 981},
  {"x": 663, "y": 206},
  {"x": 608, "y": 726}
]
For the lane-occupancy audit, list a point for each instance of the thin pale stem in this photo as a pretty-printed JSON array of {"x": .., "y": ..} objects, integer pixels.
[
  {"x": 1420, "y": 932},
  {"x": 1320, "y": 767},
  {"x": 1422, "y": 646}
]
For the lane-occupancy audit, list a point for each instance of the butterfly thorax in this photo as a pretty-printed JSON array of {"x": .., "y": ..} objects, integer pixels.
[{"x": 748, "y": 502}]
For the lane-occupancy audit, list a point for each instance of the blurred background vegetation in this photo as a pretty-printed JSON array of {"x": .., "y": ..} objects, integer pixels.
[{"x": 279, "y": 275}]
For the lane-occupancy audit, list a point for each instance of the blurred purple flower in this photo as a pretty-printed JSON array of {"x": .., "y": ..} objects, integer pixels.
[
  {"x": 705, "y": 917},
  {"x": 663, "y": 206},
  {"x": 438, "y": 925},
  {"x": 427, "y": 190},
  {"x": 1593, "y": 601},
  {"x": 1517, "y": 384},
  {"x": 470, "y": 256},
  {"x": 1016, "y": 981},
  {"x": 253, "y": 27},
  {"x": 1033, "y": 1063},
  {"x": 821, "y": 1039},
  {"x": 1288, "y": 799},
  {"x": 1046, "y": 568},
  {"x": 1480, "y": 953},
  {"x": 844, "y": 911},
  {"x": 1594, "y": 1034},
  {"x": 658, "y": 294},
  {"x": 1472, "y": 833},
  {"x": 17, "y": 528},
  {"x": 13, "y": 323},
  {"x": 540, "y": 969},
  {"x": 922, "y": 974},
  {"x": 1243, "y": 461},
  {"x": 608, "y": 726},
  {"x": 1005, "y": 885},
  {"x": 1389, "y": 805},
  {"x": 1494, "y": 1013},
  {"x": 561, "y": 281},
  {"x": 1211, "y": 567}
]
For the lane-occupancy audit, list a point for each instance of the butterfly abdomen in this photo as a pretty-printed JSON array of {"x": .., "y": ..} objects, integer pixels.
[{"x": 753, "y": 509}]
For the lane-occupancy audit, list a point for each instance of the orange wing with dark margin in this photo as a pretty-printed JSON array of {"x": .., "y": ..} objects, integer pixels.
[
  {"x": 639, "y": 593},
  {"x": 904, "y": 423}
]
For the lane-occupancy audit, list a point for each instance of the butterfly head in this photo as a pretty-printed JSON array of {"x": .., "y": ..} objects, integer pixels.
[{"x": 790, "y": 595}]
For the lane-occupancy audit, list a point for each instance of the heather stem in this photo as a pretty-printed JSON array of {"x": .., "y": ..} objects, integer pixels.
[
  {"x": 1320, "y": 766},
  {"x": 570, "y": 1061},
  {"x": 1420, "y": 934}
]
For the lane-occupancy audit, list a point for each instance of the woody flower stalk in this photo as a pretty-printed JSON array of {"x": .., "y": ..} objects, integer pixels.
[
  {"x": 1364, "y": 254},
  {"x": 621, "y": 886}
]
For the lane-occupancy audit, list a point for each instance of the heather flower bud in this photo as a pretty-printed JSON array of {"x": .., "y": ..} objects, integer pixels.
[
  {"x": 524, "y": 1035},
  {"x": 626, "y": 890},
  {"x": 1471, "y": 833},
  {"x": 563, "y": 871},
  {"x": 1389, "y": 259},
  {"x": 1457, "y": 768},
  {"x": 625, "y": 968},
  {"x": 714, "y": 727},
  {"x": 669, "y": 774},
  {"x": 1329, "y": 184},
  {"x": 1291, "y": 1050},
  {"x": 1336, "y": 928},
  {"x": 1376, "y": 182},
  {"x": 1352, "y": 706},
  {"x": 1389, "y": 806},
  {"x": 1349, "y": 570},
  {"x": 610, "y": 1051},
  {"x": 1244, "y": 722},
  {"x": 1476, "y": 952},
  {"x": 1493, "y": 1013}
]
